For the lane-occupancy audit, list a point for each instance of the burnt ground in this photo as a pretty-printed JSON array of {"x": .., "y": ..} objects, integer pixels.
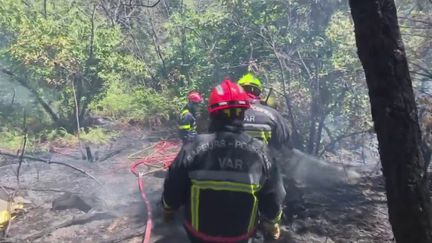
[{"x": 337, "y": 213}]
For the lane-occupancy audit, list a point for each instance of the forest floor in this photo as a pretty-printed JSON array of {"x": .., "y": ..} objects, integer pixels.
[{"x": 355, "y": 212}]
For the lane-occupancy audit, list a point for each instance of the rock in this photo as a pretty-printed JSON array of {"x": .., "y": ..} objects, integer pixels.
[{"x": 68, "y": 201}]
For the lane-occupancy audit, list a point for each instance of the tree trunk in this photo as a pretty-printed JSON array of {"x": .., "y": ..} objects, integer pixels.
[
  {"x": 45, "y": 8},
  {"x": 319, "y": 134},
  {"x": 156, "y": 44},
  {"x": 394, "y": 112},
  {"x": 296, "y": 140},
  {"x": 314, "y": 112},
  {"x": 312, "y": 133}
]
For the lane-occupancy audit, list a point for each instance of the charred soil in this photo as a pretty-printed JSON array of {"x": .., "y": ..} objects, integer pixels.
[{"x": 64, "y": 205}]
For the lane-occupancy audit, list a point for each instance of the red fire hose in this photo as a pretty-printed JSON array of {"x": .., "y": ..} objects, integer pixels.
[{"x": 160, "y": 158}]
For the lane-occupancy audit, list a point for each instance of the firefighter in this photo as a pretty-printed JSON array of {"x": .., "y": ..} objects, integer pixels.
[
  {"x": 225, "y": 178},
  {"x": 187, "y": 122},
  {"x": 268, "y": 125},
  {"x": 261, "y": 121}
]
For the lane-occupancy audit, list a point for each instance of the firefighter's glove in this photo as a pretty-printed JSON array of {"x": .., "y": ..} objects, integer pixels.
[{"x": 271, "y": 230}]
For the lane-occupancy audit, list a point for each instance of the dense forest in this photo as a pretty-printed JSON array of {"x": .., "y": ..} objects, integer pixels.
[
  {"x": 68, "y": 68},
  {"x": 132, "y": 62}
]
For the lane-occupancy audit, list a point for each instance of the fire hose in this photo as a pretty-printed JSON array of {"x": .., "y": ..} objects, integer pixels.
[{"x": 160, "y": 158}]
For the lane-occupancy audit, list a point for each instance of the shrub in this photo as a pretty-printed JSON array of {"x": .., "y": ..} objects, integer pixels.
[{"x": 141, "y": 105}]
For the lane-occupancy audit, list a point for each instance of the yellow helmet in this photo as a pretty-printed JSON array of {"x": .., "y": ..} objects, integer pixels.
[{"x": 250, "y": 80}]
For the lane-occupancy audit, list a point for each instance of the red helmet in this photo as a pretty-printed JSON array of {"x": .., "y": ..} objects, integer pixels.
[
  {"x": 195, "y": 97},
  {"x": 227, "y": 95}
]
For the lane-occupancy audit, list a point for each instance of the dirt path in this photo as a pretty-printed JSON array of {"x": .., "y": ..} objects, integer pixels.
[{"x": 341, "y": 213}]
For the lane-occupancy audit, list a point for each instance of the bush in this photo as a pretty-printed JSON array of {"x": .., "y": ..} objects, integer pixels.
[
  {"x": 11, "y": 140},
  {"x": 141, "y": 105},
  {"x": 60, "y": 137},
  {"x": 97, "y": 135}
]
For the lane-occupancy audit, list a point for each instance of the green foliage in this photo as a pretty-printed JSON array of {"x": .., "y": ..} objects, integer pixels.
[
  {"x": 97, "y": 136},
  {"x": 123, "y": 103},
  {"x": 416, "y": 26},
  {"x": 59, "y": 137},
  {"x": 68, "y": 51},
  {"x": 138, "y": 64},
  {"x": 339, "y": 33},
  {"x": 11, "y": 140},
  {"x": 62, "y": 138}
]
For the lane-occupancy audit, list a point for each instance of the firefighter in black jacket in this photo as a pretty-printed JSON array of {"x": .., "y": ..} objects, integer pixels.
[
  {"x": 268, "y": 125},
  {"x": 261, "y": 121},
  {"x": 225, "y": 179},
  {"x": 187, "y": 121}
]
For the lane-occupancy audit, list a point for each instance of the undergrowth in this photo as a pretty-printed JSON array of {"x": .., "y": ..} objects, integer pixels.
[
  {"x": 42, "y": 141},
  {"x": 124, "y": 104}
]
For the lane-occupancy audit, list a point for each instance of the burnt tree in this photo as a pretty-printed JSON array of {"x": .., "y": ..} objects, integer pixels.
[{"x": 394, "y": 113}]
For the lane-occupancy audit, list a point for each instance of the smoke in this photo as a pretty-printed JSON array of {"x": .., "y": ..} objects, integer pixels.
[{"x": 313, "y": 172}]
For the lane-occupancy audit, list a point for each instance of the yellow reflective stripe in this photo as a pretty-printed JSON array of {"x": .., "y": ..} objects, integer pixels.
[
  {"x": 278, "y": 217},
  {"x": 252, "y": 220},
  {"x": 254, "y": 133},
  {"x": 197, "y": 209},
  {"x": 184, "y": 112},
  {"x": 195, "y": 191},
  {"x": 185, "y": 127},
  {"x": 266, "y": 135},
  {"x": 227, "y": 186},
  {"x": 263, "y": 135}
]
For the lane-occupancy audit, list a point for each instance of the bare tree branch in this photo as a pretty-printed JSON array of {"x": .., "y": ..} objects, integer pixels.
[
  {"x": 52, "y": 162},
  {"x": 22, "y": 149},
  {"x": 417, "y": 20},
  {"x": 341, "y": 137},
  {"x": 304, "y": 65},
  {"x": 143, "y": 5}
]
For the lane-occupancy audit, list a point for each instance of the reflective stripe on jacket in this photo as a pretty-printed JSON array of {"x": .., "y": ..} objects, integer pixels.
[
  {"x": 187, "y": 121},
  {"x": 265, "y": 123}
]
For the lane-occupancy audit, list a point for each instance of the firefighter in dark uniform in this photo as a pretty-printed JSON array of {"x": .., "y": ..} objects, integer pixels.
[
  {"x": 187, "y": 121},
  {"x": 261, "y": 121},
  {"x": 225, "y": 179},
  {"x": 268, "y": 125}
]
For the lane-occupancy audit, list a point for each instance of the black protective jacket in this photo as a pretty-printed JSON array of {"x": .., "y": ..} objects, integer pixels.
[
  {"x": 187, "y": 125},
  {"x": 224, "y": 179},
  {"x": 268, "y": 125}
]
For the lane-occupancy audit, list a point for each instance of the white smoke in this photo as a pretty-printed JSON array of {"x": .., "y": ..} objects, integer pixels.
[{"x": 312, "y": 171}]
